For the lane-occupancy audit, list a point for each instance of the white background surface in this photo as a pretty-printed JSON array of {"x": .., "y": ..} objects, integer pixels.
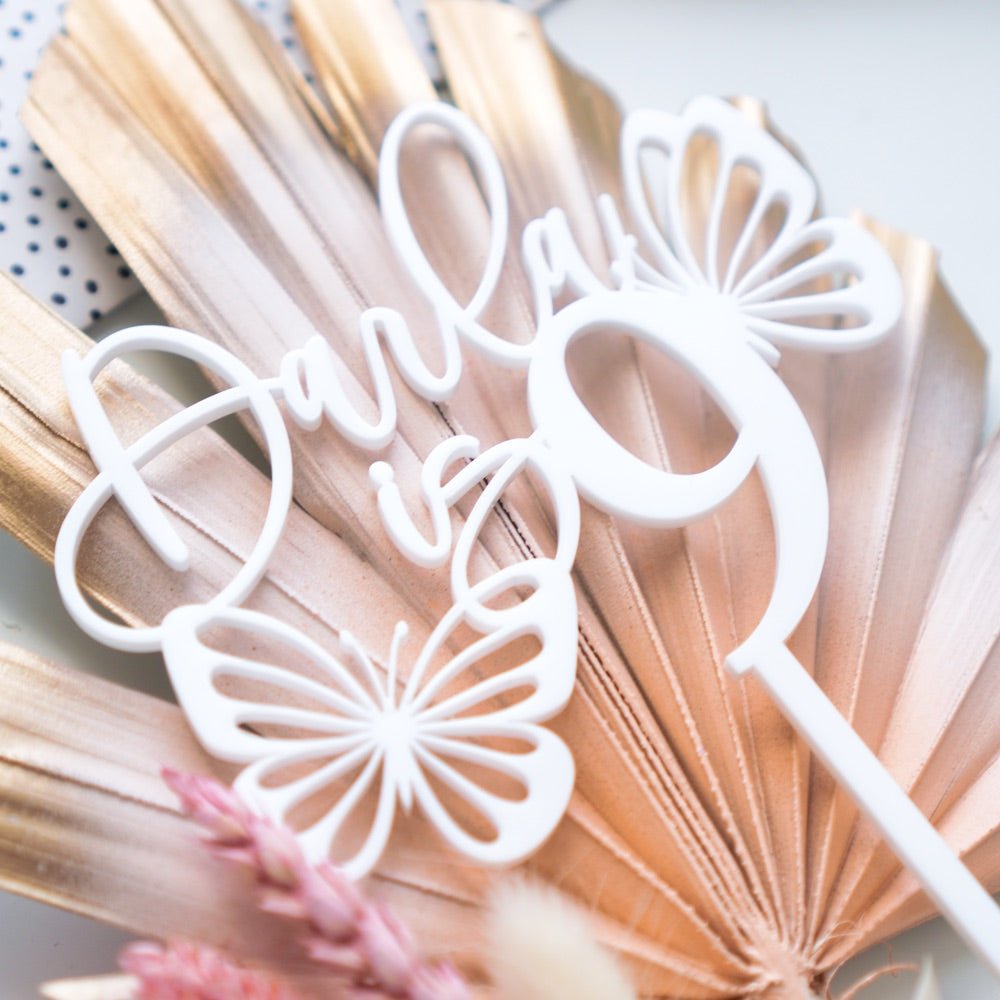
[{"x": 896, "y": 107}]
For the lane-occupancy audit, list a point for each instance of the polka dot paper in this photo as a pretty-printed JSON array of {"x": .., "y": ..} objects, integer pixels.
[{"x": 48, "y": 241}]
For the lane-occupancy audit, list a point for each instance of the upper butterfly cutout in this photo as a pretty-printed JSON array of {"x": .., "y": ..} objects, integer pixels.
[{"x": 818, "y": 283}]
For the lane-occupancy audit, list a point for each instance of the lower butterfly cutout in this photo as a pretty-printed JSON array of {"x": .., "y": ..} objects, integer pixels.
[{"x": 462, "y": 740}]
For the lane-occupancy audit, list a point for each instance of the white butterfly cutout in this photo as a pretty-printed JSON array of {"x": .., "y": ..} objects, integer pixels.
[
  {"x": 777, "y": 284},
  {"x": 350, "y": 722}
]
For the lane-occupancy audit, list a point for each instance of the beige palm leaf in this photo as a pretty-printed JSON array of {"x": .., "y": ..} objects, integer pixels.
[{"x": 713, "y": 853}]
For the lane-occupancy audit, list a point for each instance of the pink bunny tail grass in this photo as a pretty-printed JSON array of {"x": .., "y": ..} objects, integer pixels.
[
  {"x": 358, "y": 939},
  {"x": 191, "y": 972}
]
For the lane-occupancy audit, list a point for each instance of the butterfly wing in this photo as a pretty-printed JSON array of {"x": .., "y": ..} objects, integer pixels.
[
  {"x": 488, "y": 776},
  {"x": 302, "y": 732},
  {"x": 490, "y": 826},
  {"x": 708, "y": 128},
  {"x": 825, "y": 284},
  {"x": 830, "y": 286}
]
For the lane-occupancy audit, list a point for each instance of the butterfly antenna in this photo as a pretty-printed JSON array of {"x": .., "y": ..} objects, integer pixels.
[
  {"x": 399, "y": 634},
  {"x": 357, "y": 652}
]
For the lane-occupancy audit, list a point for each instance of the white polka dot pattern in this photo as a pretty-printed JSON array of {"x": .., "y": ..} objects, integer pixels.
[{"x": 48, "y": 241}]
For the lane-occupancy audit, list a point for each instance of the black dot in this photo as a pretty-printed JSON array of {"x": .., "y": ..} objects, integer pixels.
[
  {"x": 91, "y": 286},
  {"x": 14, "y": 169},
  {"x": 64, "y": 270},
  {"x": 33, "y": 220},
  {"x": 3, "y": 227},
  {"x": 3, "y": 143},
  {"x": 4, "y": 196},
  {"x": 47, "y": 164},
  {"x": 111, "y": 251},
  {"x": 28, "y": 15},
  {"x": 59, "y": 299},
  {"x": 36, "y": 192},
  {"x": 80, "y": 223},
  {"x": 33, "y": 248},
  {"x": 124, "y": 272},
  {"x": 61, "y": 242},
  {"x": 17, "y": 269},
  {"x": 288, "y": 42},
  {"x": 62, "y": 203},
  {"x": 33, "y": 146},
  {"x": 14, "y": 32},
  {"x": 95, "y": 314}
]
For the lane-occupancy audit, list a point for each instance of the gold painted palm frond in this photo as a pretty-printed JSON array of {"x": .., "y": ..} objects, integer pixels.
[{"x": 713, "y": 853}]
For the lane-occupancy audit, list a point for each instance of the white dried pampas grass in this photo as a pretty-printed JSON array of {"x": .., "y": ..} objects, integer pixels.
[{"x": 541, "y": 948}]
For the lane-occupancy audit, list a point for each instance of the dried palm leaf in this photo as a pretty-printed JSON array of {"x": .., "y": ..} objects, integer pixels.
[{"x": 712, "y": 852}]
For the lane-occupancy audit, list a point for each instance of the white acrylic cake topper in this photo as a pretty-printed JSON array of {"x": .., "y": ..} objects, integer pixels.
[{"x": 723, "y": 326}]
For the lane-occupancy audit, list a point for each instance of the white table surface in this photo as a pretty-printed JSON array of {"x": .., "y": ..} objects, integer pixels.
[{"x": 895, "y": 106}]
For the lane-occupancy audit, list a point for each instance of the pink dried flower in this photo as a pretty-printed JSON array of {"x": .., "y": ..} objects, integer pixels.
[
  {"x": 358, "y": 939},
  {"x": 330, "y": 901},
  {"x": 344, "y": 959},
  {"x": 215, "y": 807},
  {"x": 278, "y": 855},
  {"x": 387, "y": 949},
  {"x": 439, "y": 982},
  {"x": 191, "y": 972}
]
